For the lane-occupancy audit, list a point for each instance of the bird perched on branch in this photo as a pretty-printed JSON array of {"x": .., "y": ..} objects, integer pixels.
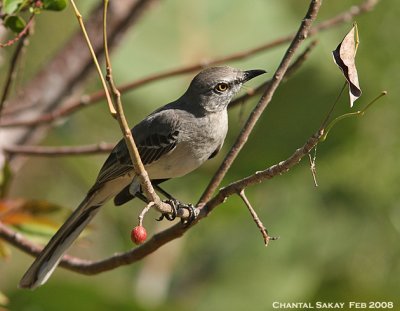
[{"x": 172, "y": 141}]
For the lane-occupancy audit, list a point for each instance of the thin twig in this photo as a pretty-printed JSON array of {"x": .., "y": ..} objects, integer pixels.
[
  {"x": 144, "y": 212},
  {"x": 358, "y": 113},
  {"x": 94, "y": 58},
  {"x": 330, "y": 112},
  {"x": 21, "y": 34},
  {"x": 260, "y": 176},
  {"x": 290, "y": 71},
  {"x": 313, "y": 166},
  {"x": 256, "y": 219},
  {"x": 49, "y": 116},
  {"x": 119, "y": 114},
  {"x": 11, "y": 74},
  {"x": 263, "y": 103},
  {"x": 59, "y": 151},
  {"x": 87, "y": 100}
]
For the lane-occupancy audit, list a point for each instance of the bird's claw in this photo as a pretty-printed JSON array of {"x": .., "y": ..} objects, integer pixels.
[
  {"x": 193, "y": 213},
  {"x": 176, "y": 205}
]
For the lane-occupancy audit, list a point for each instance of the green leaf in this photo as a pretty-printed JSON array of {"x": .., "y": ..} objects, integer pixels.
[
  {"x": 54, "y": 5},
  {"x": 11, "y": 6},
  {"x": 15, "y": 23}
]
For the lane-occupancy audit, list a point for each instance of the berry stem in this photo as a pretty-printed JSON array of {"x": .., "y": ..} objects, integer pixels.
[{"x": 144, "y": 211}]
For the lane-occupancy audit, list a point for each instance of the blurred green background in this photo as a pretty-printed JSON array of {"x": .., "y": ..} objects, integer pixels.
[{"x": 339, "y": 242}]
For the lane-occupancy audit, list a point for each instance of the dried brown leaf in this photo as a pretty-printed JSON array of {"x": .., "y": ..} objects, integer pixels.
[{"x": 344, "y": 57}]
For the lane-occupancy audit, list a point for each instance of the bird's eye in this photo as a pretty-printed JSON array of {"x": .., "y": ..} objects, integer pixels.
[{"x": 221, "y": 87}]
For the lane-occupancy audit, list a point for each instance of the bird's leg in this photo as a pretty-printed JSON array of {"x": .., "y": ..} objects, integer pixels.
[
  {"x": 142, "y": 197},
  {"x": 164, "y": 193},
  {"x": 174, "y": 203}
]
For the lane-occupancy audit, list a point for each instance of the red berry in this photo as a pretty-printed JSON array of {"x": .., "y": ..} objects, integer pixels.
[{"x": 138, "y": 235}]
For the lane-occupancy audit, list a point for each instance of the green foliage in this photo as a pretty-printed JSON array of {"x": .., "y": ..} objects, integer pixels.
[
  {"x": 14, "y": 23},
  {"x": 13, "y": 18},
  {"x": 11, "y": 6},
  {"x": 54, "y": 5}
]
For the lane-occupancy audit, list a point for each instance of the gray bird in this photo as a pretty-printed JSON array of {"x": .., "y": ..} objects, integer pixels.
[{"x": 172, "y": 141}]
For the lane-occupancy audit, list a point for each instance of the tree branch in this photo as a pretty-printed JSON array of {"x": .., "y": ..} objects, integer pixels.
[
  {"x": 23, "y": 33},
  {"x": 13, "y": 64},
  {"x": 256, "y": 219},
  {"x": 88, "y": 267},
  {"x": 59, "y": 151},
  {"x": 94, "y": 267},
  {"x": 94, "y": 58},
  {"x": 290, "y": 71},
  {"x": 266, "y": 98},
  {"x": 119, "y": 114}
]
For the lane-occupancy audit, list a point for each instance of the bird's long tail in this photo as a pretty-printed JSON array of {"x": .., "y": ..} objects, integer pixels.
[{"x": 47, "y": 261}]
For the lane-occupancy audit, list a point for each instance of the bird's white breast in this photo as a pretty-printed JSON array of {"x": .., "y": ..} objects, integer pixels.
[{"x": 196, "y": 145}]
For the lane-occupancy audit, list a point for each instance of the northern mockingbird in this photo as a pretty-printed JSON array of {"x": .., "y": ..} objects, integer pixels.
[{"x": 172, "y": 141}]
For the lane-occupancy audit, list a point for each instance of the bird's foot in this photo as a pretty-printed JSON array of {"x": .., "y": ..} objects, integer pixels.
[
  {"x": 176, "y": 206},
  {"x": 193, "y": 213}
]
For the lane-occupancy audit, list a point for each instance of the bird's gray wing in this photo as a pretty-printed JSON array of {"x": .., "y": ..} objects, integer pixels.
[
  {"x": 156, "y": 145},
  {"x": 154, "y": 138}
]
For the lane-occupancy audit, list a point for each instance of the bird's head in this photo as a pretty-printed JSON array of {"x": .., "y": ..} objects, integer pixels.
[{"x": 213, "y": 88}]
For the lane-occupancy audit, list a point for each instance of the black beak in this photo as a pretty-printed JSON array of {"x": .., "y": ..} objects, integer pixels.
[{"x": 250, "y": 74}]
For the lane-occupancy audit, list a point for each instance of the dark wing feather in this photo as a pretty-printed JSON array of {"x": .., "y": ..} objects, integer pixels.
[
  {"x": 151, "y": 148},
  {"x": 215, "y": 152},
  {"x": 154, "y": 146}
]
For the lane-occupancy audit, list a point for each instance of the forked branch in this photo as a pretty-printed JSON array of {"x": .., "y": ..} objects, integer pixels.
[{"x": 160, "y": 239}]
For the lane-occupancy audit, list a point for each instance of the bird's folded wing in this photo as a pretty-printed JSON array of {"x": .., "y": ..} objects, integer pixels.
[{"x": 151, "y": 148}]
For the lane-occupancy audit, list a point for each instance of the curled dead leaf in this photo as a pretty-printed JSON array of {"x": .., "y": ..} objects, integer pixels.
[{"x": 344, "y": 56}]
